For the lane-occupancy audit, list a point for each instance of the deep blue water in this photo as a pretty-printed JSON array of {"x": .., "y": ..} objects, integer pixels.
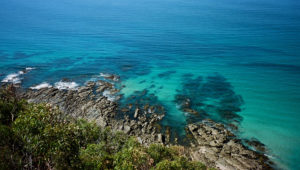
[{"x": 237, "y": 60}]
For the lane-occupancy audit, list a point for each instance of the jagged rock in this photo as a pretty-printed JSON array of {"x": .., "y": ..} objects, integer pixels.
[
  {"x": 136, "y": 112},
  {"x": 159, "y": 138},
  {"x": 216, "y": 147},
  {"x": 127, "y": 129}
]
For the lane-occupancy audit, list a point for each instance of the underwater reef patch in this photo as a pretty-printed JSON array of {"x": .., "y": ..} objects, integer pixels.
[{"x": 209, "y": 97}]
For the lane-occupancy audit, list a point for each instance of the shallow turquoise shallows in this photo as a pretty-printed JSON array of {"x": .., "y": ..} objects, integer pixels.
[{"x": 237, "y": 60}]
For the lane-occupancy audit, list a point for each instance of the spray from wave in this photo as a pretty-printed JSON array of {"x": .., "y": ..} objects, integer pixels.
[
  {"x": 15, "y": 78},
  {"x": 41, "y": 86},
  {"x": 61, "y": 85}
]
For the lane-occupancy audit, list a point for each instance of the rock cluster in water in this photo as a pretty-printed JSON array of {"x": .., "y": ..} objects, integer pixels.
[{"x": 209, "y": 142}]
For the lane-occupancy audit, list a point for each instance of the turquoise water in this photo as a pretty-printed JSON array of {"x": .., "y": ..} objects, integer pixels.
[{"x": 242, "y": 55}]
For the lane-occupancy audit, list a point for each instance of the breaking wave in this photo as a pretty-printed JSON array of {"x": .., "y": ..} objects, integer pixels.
[
  {"x": 41, "y": 86},
  {"x": 15, "y": 77},
  {"x": 66, "y": 85}
]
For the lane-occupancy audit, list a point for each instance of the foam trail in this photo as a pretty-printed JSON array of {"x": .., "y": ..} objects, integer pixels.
[
  {"x": 66, "y": 85},
  {"x": 41, "y": 86},
  {"x": 29, "y": 68},
  {"x": 12, "y": 78},
  {"x": 15, "y": 77},
  {"x": 104, "y": 75},
  {"x": 108, "y": 95}
]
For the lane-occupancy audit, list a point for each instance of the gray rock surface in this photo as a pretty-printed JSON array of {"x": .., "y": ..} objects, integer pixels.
[{"x": 218, "y": 147}]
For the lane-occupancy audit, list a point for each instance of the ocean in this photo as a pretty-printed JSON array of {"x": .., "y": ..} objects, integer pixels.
[{"x": 237, "y": 61}]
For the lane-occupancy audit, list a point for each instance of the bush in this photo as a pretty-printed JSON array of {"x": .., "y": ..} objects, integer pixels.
[
  {"x": 132, "y": 156},
  {"x": 54, "y": 140},
  {"x": 114, "y": 141},
  {"x": 96, "y": 157},
  {"x": 10, "y": 105},
  {"x": 180, "y": 163},
  {"x": 10, "y": 146},
  {"x": 159, "y": 152}
]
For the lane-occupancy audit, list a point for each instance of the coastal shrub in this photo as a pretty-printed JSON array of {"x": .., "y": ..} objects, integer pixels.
[
  {"x": 100, "y": 155},
  {"x": 10, "y": 149},
  {"x": 132, "y": 156},
  {"x": 94, "y": 156},
  {"x": 114, "y": 141},
  {"x": 180, "y": 163},
  {"x": 10, "y": 105},
  {"x": 159, "y": 152},
  {"x": 10, "y": 146},
  {"x": 169, "y": 158},
  {"x": 51, "y": 138}
]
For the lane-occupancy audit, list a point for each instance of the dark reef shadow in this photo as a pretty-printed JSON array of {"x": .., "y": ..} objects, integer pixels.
[{"x": 210, "y": 97}]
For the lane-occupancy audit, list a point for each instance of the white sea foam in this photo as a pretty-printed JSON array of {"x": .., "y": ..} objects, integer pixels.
[
  {"x": 29, "y": 68},
  {"x": 108, "y": 95},
  {"x": 41, "y": 86},
  {"x": 15, "y": 77},
  {"x": 104, "y": 75},
  {"x": 66, "y": 85},
  {"x": 21, "y": 72},
  {"x": 12, "y": 78}
]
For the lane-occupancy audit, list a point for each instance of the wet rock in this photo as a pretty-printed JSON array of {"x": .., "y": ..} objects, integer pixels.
[
  {"x": 256, "y": 144},
  {"x": 233, "y": 126},
  {"x": 90, "y": 84},
  {"x": 101, "y": 89},
  {"x": 112, "y": 77},
  {"x": 136, "y": 112},
  {"x": 191, "y": 111}
]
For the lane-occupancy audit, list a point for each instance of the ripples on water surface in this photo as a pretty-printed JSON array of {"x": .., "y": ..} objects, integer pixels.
[{"x": 237, "y": 61}]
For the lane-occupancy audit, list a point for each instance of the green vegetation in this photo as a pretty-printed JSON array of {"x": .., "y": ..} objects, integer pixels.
[{"x": 38, "y": 136}]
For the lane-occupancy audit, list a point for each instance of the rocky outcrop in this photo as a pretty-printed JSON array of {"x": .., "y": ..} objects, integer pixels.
[
  {"x": 211, "y": 143},
  {"x": 218, "y": 147},
  {"x": 81, "y": 103},
  {"x": 94, "y": 102}
]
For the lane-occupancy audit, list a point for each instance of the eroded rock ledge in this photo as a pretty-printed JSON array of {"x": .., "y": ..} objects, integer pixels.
[
  {"x": 210, "y": 142},
  {"x": 218, "y": 147}
]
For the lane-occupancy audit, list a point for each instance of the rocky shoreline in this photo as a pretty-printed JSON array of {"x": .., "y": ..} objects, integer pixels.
[{"x": 207, "y": 141}]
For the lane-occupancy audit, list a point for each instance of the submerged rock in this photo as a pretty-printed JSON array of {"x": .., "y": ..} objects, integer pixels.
[
  {"x": 209, "y": 97},
  {"x": 257, "y": 145},
  {"x": 112, "y": 77}
]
